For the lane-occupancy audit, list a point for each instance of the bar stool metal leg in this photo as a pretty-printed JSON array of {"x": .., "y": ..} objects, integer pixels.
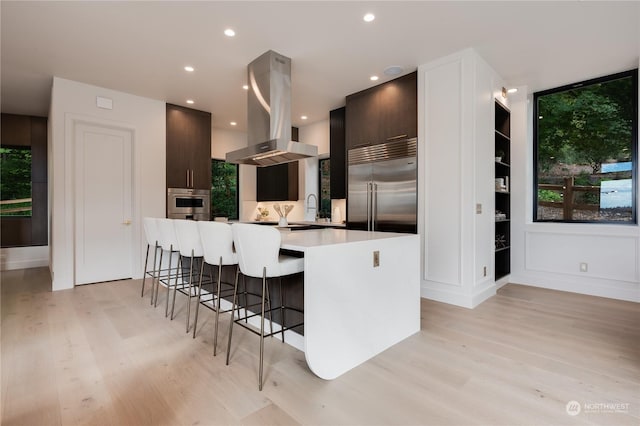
[
  {"x": 156, "y": 281},
  {"x": 175, "y": 287},
  {"x": 189, "y": 292},
  {"x": 264, "y": 285},
  {"x": 144, "y": 274},
  {"x": 269, "y": 310},
  {"x": 282, "y": 310},
  {"x": 233, "y": 309},
  {"x": 215, "y": 335},
  {"x": 195, "y": 322}
]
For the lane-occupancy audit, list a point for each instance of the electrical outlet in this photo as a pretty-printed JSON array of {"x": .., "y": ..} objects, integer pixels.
[
  {"x": 484, "y": 271},
  {"x": 376, "y": 259},
  {"x": 478, "y": 208},
  {"x": 584, "y": 267}
]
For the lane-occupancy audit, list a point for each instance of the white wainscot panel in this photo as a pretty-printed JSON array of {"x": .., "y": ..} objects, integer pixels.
[{"x": 607, "y": 257}]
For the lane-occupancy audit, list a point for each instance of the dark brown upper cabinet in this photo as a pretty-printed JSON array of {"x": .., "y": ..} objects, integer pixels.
[
  {"x": 338, "y": 153},
  {"x": 383, "y": 113},
  {"x": 278, "y": 182},
  {"x": 188, "y": 148}
]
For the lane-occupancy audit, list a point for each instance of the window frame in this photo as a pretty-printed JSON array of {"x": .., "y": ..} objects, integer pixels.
[
  {"x": 237, "y": 166},
  {"x": 30, "y": 149},
  {"x": 634, "y": 146},
  {"x": 321, "y": 160}
]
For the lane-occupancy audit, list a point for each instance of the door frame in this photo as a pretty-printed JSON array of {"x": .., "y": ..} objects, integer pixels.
[{"x": 71, "y": 123}]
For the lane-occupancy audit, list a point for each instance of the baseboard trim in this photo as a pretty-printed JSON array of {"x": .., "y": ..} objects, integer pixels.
[{"x": 24, "y": 258}]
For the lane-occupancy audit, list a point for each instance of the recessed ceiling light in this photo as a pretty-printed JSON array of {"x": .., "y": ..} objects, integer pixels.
[
  {"x": 304, "y": 117},
  {"x": 189, "y": 68},
  {"x": 369, "y": 17},
  {"x": 229, "y": 32},
  {"x": 393, "y": 70},
  {"x": 245, "y": 87},
  {"x": 373, "y": 78},
  {"x": 190, "y": 101},
  {"x": 512, "y": 90},
  {"x": 233, "y": 123}
]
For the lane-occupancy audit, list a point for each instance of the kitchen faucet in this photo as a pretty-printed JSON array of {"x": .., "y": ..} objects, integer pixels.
[{"x": 314, "y": 207}]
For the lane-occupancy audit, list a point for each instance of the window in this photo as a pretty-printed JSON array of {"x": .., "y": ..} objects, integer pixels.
[
  {"x": 585, "y": 142},
  {"x": 15, "y": 181},
  {"x": 324, "y": 182},
  {"x": 224, "y": 189}
]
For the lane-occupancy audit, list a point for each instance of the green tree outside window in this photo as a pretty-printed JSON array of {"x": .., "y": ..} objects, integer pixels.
[
  {"x": 224, "y": 189},
  {"x": 15, "y": 181}
]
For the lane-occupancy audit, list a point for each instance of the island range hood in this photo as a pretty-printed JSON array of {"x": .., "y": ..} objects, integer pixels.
[{"x": 269, "y": 115}]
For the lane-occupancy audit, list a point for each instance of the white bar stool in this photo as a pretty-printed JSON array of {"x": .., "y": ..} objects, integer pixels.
[
  {"x": 258, "y": 248},
  {"x": 189, "y": 245},
  {"x": 217, "y": 243}
]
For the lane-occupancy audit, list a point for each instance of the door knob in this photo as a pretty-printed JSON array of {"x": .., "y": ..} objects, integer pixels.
[{"x": 126, "y": 222}]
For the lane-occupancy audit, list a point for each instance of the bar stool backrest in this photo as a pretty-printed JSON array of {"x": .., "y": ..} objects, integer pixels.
[
  {"x": 188, "y": 237},
  {"x": 167, "y": 234},
  {"x": 151, "y": 230},
  {"x": 217, "y": 242},
  {"x": 258, "y": 246}
]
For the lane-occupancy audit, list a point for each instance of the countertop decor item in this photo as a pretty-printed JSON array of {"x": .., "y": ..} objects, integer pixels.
[
  {"x": 264, "y": 213},
  {"x": 283, "y": 215}
]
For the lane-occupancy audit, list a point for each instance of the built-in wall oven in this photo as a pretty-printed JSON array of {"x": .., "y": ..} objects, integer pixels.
[{"x": 186, "y": 203}]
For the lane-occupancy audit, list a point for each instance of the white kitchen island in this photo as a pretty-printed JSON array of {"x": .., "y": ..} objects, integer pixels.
[{"x": 354, "y": 310}]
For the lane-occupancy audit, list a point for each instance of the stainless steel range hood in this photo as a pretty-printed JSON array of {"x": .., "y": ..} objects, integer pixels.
[{"x": 269, "y": 115}]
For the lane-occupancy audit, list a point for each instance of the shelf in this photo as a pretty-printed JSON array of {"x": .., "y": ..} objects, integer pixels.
[
  {"x": 502, "y": 199},
  {"x": 498, "y": 132},
  {"x": 501, "y": 274}
]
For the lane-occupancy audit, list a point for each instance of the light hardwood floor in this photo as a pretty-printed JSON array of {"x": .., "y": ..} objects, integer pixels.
[{"x": 100, "y": 355}]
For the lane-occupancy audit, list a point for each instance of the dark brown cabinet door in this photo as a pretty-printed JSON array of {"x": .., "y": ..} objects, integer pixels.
[
  {"x": 382, "y": 113},
  {"x": 399, "y": 116},
  {"x": 362, "y": 121},
  {"x": 338, "y": 153},
  {"x": 201, "y": 151},
  {"x": 188, "y": 148}
]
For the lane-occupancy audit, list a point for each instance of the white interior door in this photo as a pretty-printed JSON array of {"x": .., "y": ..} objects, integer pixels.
[{"x": 103, "y": 205}]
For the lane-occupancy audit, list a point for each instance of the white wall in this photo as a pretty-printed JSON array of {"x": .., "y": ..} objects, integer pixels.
[
  {"x": 72, "y": 102},
  {"x": 314, "y": 134},
  {"x": 549, "y": 254}
]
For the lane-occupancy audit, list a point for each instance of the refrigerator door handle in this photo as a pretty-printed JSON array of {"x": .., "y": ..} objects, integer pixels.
[
  {"x": 374, "y": 205},
  {"x": 369, "y": 190}
]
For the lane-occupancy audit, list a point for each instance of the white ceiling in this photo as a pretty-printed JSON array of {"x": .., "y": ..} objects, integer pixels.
[{"x": 142, "y": 47}]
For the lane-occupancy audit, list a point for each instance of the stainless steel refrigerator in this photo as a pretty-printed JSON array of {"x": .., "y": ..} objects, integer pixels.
[{"x": 382, "y": 187}]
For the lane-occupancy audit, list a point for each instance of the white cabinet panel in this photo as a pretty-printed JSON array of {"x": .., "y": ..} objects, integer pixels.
[{"x": 443, "y": 186}]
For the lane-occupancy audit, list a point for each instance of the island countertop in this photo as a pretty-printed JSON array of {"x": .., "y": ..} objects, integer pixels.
[{"x": 302, "y": 240}]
